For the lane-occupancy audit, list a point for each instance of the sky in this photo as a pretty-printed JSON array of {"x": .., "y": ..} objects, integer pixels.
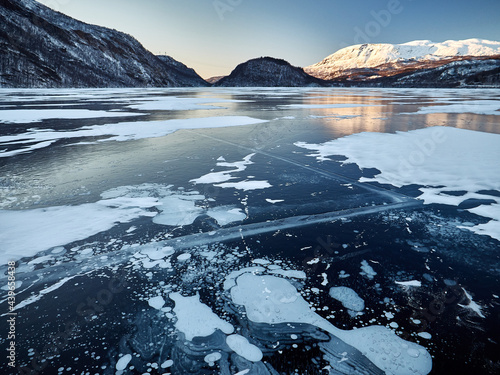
[{"x": 214, "y": 36}]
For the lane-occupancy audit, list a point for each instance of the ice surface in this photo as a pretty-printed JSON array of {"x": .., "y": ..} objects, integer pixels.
[
  {"x": 289, "y": 273},
  {"x": 326, "y": 106},
  {"x": 195, "y": 319},
  {"x": 123, "y": 131},
  {"x": 173, "y": 103},
  {"x": 273, "y": 300},
  {"x": 440, "y": 159},
  {"x": 242, "y": 347},
  {"x": 23, "y": 116},
  {"x": 42, "y": 293},
  {"x": 348, "y": 297}
]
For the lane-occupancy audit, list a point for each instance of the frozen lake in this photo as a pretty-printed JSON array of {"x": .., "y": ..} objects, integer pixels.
[{"x": 251, "y": 231}]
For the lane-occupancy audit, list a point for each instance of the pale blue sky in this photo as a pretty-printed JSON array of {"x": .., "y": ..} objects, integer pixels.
[{"x": 213, "y": 36}]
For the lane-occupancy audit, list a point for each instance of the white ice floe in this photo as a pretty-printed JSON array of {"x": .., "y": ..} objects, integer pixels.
[
  {"x": 367, "y": 270},
  {"x": 219, "y": 178},
  {"x": 273, "y": 300},
  {"x": 123, "y": 362},
  {"x": 57, "y": 226},
  {"x": 491, "y": 228},
  {"x": 212, "y": 358},
  {"x": 245, "y": 185},
  {"x": 195, "y": 319},
  {"x": 156, "y": 302},
  {"x": 226, "y": 214},
  {"x": 348, "y": 298},
  {"x": 425, "y": 335},
  {"x": 23, "y": 116},
  {"x": 441, "y": 159},
  {"x": 274, "y": 201},
  {"x": 178, "y": 209},
  {"x": 242, "y": 347},
  {"x": 184, "y": 257},
  {"x": 480, "y": 107},
  {"x": 223, "y": 176},
  {"x": 157, "y": 253},
  {"x": 123, "y": 131},
  {"x": 168, "y": 363},
  {"x": 414, "y": 283}
]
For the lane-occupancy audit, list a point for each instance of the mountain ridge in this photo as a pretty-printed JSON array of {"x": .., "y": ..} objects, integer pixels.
[
  {"x": 372, "y": 61},
  {"x": 40, "y": 47}
]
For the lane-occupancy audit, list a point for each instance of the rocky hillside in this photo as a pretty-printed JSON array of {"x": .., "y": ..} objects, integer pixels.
[
  {"x": 268, "y": 72},
  {"x": 464, "y": 73},
  {"x": 40, "y": 47},
  {"x": 367, "y": 62}
]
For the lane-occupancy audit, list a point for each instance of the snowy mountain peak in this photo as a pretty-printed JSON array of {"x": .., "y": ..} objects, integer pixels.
[{"x": 365, "y": 56}]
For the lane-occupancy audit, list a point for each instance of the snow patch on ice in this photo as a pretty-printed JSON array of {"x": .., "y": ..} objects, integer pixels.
[
  {"x": 440, "y": 159},
  {"x": 57, "y": 226},
  {"x": 246, "y": 185},
  {"x": 242, "y": 347},
  {"x": 123, "y": 131},
  {"x": 223, "y": 176},
  {"x": 273, "y": 300},
  {"x": 195, "y": 319},
  {"x": 226, "y": 214}
]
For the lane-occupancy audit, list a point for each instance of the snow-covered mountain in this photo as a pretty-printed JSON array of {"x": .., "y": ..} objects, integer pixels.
[
  {"x": 270, "y": 72},
  {"x": 40, "y": 47},
  {"x": 371, "y": 61}
]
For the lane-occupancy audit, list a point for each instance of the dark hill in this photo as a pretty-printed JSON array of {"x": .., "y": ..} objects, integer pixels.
[
  {"x": 40, "y": 47},
  {"x": 268, "y": 72}
]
